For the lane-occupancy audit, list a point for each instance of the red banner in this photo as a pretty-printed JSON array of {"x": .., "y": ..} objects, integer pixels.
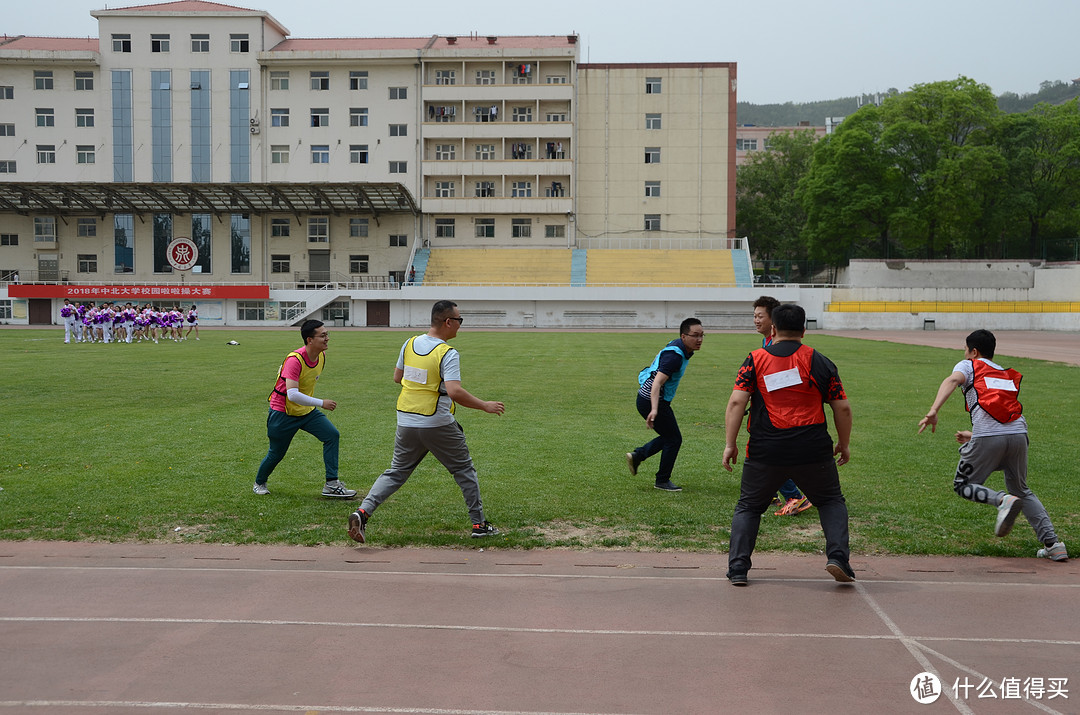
[{"x": 135, "y": 293}]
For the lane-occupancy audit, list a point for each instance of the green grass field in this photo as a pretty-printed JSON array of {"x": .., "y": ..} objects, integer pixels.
[{"x": 149, "y": 442}]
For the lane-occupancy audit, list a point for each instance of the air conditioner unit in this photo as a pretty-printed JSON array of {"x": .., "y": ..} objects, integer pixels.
[
  {"x": 254, "y": 122},
  {"x": 255, "y": 129}
]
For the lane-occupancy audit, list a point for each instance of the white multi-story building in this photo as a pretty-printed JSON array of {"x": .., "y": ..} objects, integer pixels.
[{"x": 299, "y": 163}]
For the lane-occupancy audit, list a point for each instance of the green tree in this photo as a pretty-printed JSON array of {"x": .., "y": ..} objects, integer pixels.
[{"x": 766, "y": 209}]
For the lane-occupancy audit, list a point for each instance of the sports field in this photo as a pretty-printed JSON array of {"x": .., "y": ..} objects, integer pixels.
[{"x": 150, "y": 442}]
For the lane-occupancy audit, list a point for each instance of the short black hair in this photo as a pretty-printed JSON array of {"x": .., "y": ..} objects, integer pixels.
[
  {"x": 789, "y": 318},
  {"x": 768, "y": 303},
  {"x": 442, "y": 310},
  {"x": 684, "y": 327},
  {"x": 983, "y": 341},
  {"x": 307, "y": 330}
]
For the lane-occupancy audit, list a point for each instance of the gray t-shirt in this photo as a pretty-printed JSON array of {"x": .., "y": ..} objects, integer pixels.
[
  {"x": 449, "y": 370},
  {"x": 982, "y": 424}
]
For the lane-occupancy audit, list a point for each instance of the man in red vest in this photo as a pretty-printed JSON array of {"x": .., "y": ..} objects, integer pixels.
[
  {"x": 998, "y": 439},
  {"x": 786, "y": 384}
]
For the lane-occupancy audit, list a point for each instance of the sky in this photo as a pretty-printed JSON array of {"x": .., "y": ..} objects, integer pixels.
[{"x": 786, "y": 50}]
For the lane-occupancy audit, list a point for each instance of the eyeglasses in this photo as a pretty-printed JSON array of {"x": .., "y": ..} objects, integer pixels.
[
  {"x": 699, "y": 336},
  {"x": 459, "y": 320}
]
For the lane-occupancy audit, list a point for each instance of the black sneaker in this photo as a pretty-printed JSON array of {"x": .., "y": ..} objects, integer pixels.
[
  {"x": 668, "y": 486},
  {"x": 357, "y": 522},
  {"x": 479, "y": 531},
  {"x": 840, "y": 571},
  {"x": 737, "y": 578}
]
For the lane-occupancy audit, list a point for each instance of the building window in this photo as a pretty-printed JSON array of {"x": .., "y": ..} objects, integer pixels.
[
  {"x": 521, "y": 227},
  {"x": 43, "y": 79},
  {"x": 320, "y": 153},
  {"x": 87, "y": 263},
  {"x": 240, "y": 242},
  {"x": 44, "y": 229},
  {"x": 746, "y": 145},
  {"x": 358, "y": 264},
  {"x": 485, "y": 189},
  {"x": 399, "y": 240},
  {"x": 121, "y": 43},
  {"x": 320, "y": 81},
  {"x": 279, "y": 227},
  {"x": 399, "y": 93},
  {"x": 652, "y": 188},
  {"x": 444, "y": 77},
  {"x": 358, "y": 117},
  {"x": 652, "y": 121},
  {"x": 521, "y": 150},
  {"x": 556, "y": 117},
  {"x": 444, "y": 189},
  {"x": 7, "y": 167},
  {"x": 200, "y": 43},
  {"x": 279, "y": 117},
  {"x": 238, "y": 42},
  {"x": 279, "y": 154},
  {"x": 652, "y": 85},
  {"x": 279, "y": 263},
  {"x": 358, "y": 79},
  {"x": 485, "y": 228},
  {"x": 556, "y": 79},
  {"x": 358, "y": 228},
  {"x": 445, "y": 152},
  {"x": 45, "y": 117},
  {"x": 84, "y": 81},
  {"x": 7, "y": 130},
  {"x": 399, "y": 167},
  {"x": 318, "y": 230},
  {"x": 485, "y": 76},
  {"x": 84, "y": 117},
  {"x": 652, "y": 155},
  {"x": 444, "y": 228},
  {"x": 7, "y": 92},
  {"x": 46, "y": 153},
  {"x": 85, "y": 154},
  {"x": 399, "y": 130},
  {"x": 554, "y": 231},
  {"x": 521, "y": 189},
  {"x": 9, "y": 239},
  {"x": 358, "y": 153},
  {"x": 250, "y": 310},
  {"x": 522, "y": 114},
  {"x": 485, "y": 152},
  {"x": 279, "y": 80},
  {"x": 652, "y": 222},
  {"x": 320, "y": 116},
  {"x": 87, "y": 227},
  {"x": 159, "y": 43},
  {"x": 5, "y": 305}
]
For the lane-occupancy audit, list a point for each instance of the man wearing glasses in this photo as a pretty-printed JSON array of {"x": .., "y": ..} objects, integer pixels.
[
  {"x": 658, "y": 383},
  {"x": 429, "y": 373}
]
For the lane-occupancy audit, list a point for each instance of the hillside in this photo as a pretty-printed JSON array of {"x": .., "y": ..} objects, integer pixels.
[{"x": 790, "y": 114}]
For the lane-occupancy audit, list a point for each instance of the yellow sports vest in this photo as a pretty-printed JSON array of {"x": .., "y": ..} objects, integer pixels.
[
  {"x": 308, "y": 376},
  {"x": 420, "y": 383}
]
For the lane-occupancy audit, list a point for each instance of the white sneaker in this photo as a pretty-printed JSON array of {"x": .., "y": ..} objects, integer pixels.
[
  {"x": 1007, "y": 512},
  {"x": 260, "y": 489},
  {"x": 1056, "y": 552},
  {"x": 337, "y": 490}
]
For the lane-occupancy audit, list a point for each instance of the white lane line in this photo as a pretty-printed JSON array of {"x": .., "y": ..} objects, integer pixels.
[
  {"x": 518, "y": 629},
  {"x": 148, "y": 705}
]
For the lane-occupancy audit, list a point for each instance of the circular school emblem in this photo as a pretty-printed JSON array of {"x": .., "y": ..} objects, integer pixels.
[{"x": 183, "y": 253}]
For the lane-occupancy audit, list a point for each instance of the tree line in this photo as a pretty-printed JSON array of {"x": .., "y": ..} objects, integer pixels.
[{"x": 939, "y": 171}]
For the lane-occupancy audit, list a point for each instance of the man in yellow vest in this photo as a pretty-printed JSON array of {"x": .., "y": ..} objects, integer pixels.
[
  {"x": 429, "y": 373},
  {"x": 292, "y": 408}
]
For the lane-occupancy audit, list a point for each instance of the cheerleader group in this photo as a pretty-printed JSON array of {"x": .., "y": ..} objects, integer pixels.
[{"x": 110, "y": 323}]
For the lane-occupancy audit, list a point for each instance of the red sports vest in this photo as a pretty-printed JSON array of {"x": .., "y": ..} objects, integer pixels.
[
  {"x": 997, "y": 391},
  {"x": 784, "y": 384}
]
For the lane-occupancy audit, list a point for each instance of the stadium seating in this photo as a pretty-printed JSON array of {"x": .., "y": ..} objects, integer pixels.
[{"x": 660, "y": 267}]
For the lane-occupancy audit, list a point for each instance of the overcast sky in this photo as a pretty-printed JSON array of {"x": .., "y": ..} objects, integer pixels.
[{"x": 786, "y": 50}]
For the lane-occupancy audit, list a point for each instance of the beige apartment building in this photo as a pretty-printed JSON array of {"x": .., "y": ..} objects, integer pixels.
[{"x": 290, "y": 162}]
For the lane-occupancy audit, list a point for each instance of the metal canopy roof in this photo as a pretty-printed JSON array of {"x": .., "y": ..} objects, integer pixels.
[{"x": 82, "y": 199}]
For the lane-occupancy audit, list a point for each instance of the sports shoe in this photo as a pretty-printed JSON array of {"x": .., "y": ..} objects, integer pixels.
[
  {"x": 479, "y": 531},
  {"x": 260, "y": 489},
  {"x": 335, "y": 489},
  {"x": 1056, "y": 552},
  {"x": 737, "y": 579},
  {"x": 794, "y": 506},
  {"x": 1007, "y": 512},
  {"x": 777, "y": 500},
  {"x": 668, "y": 486},
  {"x": 840, "y": 571},
  {"x": 632, "y": 462},
  {"x": 357, "y": 524}
]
